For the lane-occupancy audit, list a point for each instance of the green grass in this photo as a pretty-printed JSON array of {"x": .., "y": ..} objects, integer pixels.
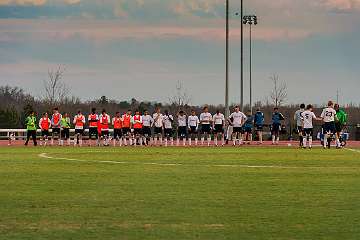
[{"x": 316, "y": 195}]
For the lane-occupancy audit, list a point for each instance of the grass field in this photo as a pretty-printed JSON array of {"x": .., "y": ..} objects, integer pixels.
[{"x": 179, "y": 193}]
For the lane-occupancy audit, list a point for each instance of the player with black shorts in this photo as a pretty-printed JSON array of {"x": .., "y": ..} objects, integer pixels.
[
  {"x": 193, "y": 125},
  {"x": 56, "y": 126},
  {"x": 148, "y": 121},
  {"x": 299, "y": 123},
  {"x": 218, "y": 126},
  {"x": 182, "y": 128},
  {"x": 237, "y": 120},
  {"x": 328, "y": 115},
  {"x": 205, "y": 121},
  {"x": 117, "y": 125},
  {"x": 158, "y": 126},
  {"x": 168, "y": 120},
  {"x": 93, "y": 120}
]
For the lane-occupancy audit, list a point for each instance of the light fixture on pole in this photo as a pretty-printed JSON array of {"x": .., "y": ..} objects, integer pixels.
[
  {"x": 227, "y": 111},
  {"x": 250, "y": 20}
]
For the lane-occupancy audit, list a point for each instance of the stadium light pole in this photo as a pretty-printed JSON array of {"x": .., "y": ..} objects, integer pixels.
[
  {"x": 250, "y": 20},
  {"x": 227, "y": 111},
  {"x": 241, "y": 55}
]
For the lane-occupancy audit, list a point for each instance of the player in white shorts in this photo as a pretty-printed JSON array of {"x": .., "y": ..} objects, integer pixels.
[
  {"x": 218, "y": 126},
  {"x": 182, "y": 125},
  {"x": 168, "y": 120},
  {"x": 205, "y": 121},
  {"x": 237, "y": 120},
  {"x": 158, "y": 126},
  {"x": 148, "y": 121},
  {"x": 307, "y": 118},
  {"x": 328, "y": 116},
  {"x": 193, "y": 125}
]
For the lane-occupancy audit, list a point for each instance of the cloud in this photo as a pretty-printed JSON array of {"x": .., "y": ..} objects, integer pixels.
[
  {"x": 35, "y": 2},
  {"x": 340, "y": 5}
]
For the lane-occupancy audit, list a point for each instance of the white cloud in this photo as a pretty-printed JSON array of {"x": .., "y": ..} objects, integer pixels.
[{"x": 34, "y": 2}]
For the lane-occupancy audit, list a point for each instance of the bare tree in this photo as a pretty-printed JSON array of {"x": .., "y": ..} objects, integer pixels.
[
  {"x": 55, "y": 89},
  {"x": 181, "y": 97},
  {"x": 279, "y": 93}
]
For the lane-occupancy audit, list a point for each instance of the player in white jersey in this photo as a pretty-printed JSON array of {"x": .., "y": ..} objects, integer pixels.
[
  {"x": 307, "y": 118},
  {"x": 168, "y": 120},
  {"x": 218, "y": 126},
  {"x": 158, "y": 126},
  {"x": 193, "y": 125},
  {"x": 205, "y": 121},
  {"x": 148, "y": 121},
  {"x": 237, "y": 120},
  {"x": 328, "y": 116},
  {"x": 299, "y": 123},
  {"x": 181, "y": 131}
]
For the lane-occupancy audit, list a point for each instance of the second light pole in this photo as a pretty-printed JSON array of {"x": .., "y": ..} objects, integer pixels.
[{"x": 250, "y": 20}]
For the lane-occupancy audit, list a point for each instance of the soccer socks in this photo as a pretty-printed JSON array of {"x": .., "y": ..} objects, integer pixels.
[
  {"x": 273, "y": 139},
  {"x": 189, "y": 141},
  {"x": 304, "y": 140},
  {"x": 202, "y": 141},
  {"x": 216, "y": 141},
  {"x": 310, "y": 141},
  {"x": 338, "y": 144},
  {"x": 208, "y": 141},
  {"x": 325, "y": 140}
]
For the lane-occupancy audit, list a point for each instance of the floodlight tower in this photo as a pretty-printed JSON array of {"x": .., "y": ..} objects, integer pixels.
[{"x": 250, "y": 20}]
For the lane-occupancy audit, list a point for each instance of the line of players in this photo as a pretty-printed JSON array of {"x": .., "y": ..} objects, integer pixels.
[
  {"x": 156, "y": 129},
  {"x": 137, "y": 129}
]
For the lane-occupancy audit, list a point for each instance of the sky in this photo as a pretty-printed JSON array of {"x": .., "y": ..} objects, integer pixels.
[{"x": 143, "y": 48}]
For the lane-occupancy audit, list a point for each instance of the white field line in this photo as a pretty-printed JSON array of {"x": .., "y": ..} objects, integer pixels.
[{"x": 46, "y": 156}]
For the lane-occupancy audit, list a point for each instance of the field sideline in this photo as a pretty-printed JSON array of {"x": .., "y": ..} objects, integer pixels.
[{"x": 179, "y": 193}]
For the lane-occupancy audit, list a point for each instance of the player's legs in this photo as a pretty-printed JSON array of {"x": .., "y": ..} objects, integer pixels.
[{"x": 301, "y": 135}]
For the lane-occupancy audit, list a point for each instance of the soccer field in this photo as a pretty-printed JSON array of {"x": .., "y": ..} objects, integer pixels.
[{"x": 179, "y": 193}]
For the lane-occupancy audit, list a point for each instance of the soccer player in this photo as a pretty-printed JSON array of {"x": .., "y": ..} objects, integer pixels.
[
  {"x": 193, "y": 124},
  {"x": 31, "y": 128},
  {"x": 65, "y": 129},
  {"x": 93, "y": 119},
  {"x": 248, "y": 127},
  {"x": 307, "y": 120},
  {"x": 104, "y": 127},
  {"x": 277, "y": 119},
  {"x": 168, "y": 120},
  {"x": 79, "y": 122},
  {"x": 299, "y": 123},
  {"x": 259, "y": 120},
  {"x": 158, "y": 126},
  {"x": 218, "y": 126},
  {"x": 56, "y": 126},
  {"x": 126, "y": 130},
  {"x": 44, "y": 125},
  {"x": 205, "y": 121},
  {"x": 117, "y": 124},
  {"x": 237, "y": 120},
  {"x": 182, "y": 125},
  {"x": 340, "y": 121},
  {"x": 328, "y": 115},
  {"x": 148, "y": 121},
  {"x": 137, "y": 124}
]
